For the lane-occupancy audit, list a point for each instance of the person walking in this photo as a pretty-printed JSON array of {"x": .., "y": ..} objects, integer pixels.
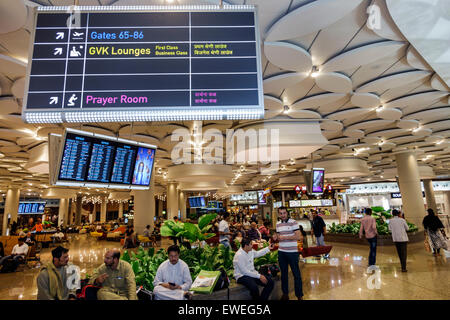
[
  {"x": 398, "y": 228},
  {"x": 435, "y": 230},
  {"x": 288, "y": 233},
  {"x": 369, "y": 227}
]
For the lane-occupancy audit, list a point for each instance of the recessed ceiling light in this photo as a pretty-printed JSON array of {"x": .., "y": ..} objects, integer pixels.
[{"x": 315, "y": 71}]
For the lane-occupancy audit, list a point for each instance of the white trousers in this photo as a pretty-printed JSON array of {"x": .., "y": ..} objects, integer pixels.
[{"x": 162, "y": 293}]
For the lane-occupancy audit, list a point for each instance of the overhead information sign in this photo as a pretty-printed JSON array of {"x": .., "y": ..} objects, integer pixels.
[{"x": 108, "y": 64}]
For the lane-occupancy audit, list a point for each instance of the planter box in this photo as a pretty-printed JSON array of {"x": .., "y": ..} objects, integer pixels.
[{"x": 384, "y": 240}]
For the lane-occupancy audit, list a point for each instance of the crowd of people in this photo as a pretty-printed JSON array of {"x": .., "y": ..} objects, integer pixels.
[{"x": 115, "y": 279}]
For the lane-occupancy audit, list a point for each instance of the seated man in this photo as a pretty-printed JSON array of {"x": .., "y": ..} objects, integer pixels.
[
  {"x": 245, "y": 273},
  {"x": 146, "y": 232},
  {"x": 253, "y": 233},
  {"x": 116, "y": 278},
  {"x": 29, "y": 239},
  {"x": 18, "y": 254},
  {"x": 173, "y": 279},
  {"x": 52, "y": 279}
]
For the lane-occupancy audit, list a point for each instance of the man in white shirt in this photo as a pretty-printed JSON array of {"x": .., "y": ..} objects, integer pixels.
[
  {"x": 18, "y": 254},
  {"x": 173, "y": 279},
  {"x": 398, "y": 228},
  {"x": 224, "y": 230},
  {"x": 245, "y": 273}
]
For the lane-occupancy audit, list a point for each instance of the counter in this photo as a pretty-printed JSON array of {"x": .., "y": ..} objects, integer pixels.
[{"x": 329, "y": 220}]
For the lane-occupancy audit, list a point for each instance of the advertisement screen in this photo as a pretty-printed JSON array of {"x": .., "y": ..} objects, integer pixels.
[
  {"x": 318, "y": 180},
  {"x": 143, "y": 166},
  {"x": 261, "y": 199}
]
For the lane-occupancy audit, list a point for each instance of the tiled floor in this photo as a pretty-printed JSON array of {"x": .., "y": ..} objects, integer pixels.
[{"x": 343, "y": 276}]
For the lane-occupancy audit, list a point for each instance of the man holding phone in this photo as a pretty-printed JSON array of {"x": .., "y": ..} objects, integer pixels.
[{"x": 173, "y": 279}]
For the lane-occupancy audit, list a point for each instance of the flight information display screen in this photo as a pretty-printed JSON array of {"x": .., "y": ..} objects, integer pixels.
[
  {"x": 88, "y": 158},
  {"x": 197, "y": 62},
  {"x": 31, "y": 207}
]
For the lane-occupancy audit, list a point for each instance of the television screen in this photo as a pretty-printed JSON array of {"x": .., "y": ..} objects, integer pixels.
[
  {"x": 261, "y": 199},
  {"x": 31, "y": 208},
  {"x": 318, "y": 180},
  {"x": 89, "y": 159},
  {"x": 197, "y": 202}
]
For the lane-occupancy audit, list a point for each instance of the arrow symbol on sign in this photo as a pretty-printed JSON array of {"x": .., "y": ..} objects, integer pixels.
[
  {"x": 59, "y": 35},
  {"x": 58, "y": 51},
  {"x": 53, "y": 100}
]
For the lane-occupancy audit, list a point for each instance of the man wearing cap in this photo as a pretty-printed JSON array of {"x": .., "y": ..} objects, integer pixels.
[
  {"x": 52, "y": 281},
  {"x": 116, "y": 278}
]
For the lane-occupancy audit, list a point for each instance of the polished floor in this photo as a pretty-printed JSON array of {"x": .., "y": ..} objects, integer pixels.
[{"x": 342, "y": 277}]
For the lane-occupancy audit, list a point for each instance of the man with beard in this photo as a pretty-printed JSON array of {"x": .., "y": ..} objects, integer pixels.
[
  {"x": 52, "y": 279},
  {"x": 116, "y": 278}
]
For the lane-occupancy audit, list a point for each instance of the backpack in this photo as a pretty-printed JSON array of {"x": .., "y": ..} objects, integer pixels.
[{"x": 223, "y": 282}]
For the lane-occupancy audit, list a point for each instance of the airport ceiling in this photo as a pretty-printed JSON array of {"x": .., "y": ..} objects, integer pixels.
[{"x": 375, "y": 94}]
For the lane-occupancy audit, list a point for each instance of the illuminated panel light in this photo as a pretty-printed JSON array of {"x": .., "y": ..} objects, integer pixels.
[
  {"x": 164, "y": 115},
  {"x": 146, "y": 8},
  {"x": 43, "y": 117}
]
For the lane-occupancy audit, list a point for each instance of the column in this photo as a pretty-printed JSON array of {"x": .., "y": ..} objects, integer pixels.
[
  {"x": 172, "y": 200},
  {"x": 78, "y": 210},
  {"x": 121, "y": 209},
  {"x": 447, "y": 202},
  {"x": 144, "y": 208},
  {"x": 160, "y": 207},
  {"x": 182, "y": 204},
  {"x": 409, "y": 185},
  {"x": 103, "y": 209},
  {"x": 11, "y": 207},
  {"x": 63, "y": 212},
  {"x": 93, "y": 215},
  {"x": 283, "y": 198},
  {"x": 429, "y": 195}
]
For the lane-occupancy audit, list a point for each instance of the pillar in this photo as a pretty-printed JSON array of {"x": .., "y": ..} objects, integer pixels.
[
  {"x": 429, "y": 195},
  {"x": 120, "y": 209},
  {"x": 172, "y": 200},
  {"x": 63, "y": 213},
  {"x": 160, "y": 208},
  {"x": 447, "y": 202},
  {"x": 11, "y": 207},
  {"x": 182, "y": 204},
  {"x": 103, "y": 209},
  {"x": 144, "y": 208},
  {"x": 411, "y": 190},
  {"x": 93, "y": 214},
  {"x": 78, "y": 210},
  {"x": 283, "y": 198}
]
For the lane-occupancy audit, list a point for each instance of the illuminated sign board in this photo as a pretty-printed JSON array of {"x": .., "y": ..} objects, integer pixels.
[{"x": 144, "y": 63}]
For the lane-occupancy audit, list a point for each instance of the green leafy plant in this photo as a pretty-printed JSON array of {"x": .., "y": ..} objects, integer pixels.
[
  {"x": 145, "y": 263},
  {"x": 353, "y": 228},
  {"x": 189, "y": 231}
]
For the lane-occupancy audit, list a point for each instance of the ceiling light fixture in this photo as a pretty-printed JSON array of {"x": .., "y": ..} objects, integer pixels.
[
  {"x": 315, "y": 71},
  {"x": 286, "y": 109}
]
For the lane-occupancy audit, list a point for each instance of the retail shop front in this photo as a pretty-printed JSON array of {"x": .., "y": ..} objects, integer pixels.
[{"x": 388, "y": 197}]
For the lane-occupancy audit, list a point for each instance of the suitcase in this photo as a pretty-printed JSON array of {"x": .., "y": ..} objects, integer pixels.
[{"x": 315, "y": 251}]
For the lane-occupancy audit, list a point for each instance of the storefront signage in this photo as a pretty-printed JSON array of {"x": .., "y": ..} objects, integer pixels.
[
  {"x": 250, "y": 197},
  {"x": 295, "y": 203},
  {"x": 277, "y": 204},
  {"x": 297, "y": 189},
  {"x": 398, "y": 195},
  {"x": 311, "y": 203},
  {"x": 110, "y": 64}
]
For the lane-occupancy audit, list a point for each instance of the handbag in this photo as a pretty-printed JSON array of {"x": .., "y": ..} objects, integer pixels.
[{"x": 426, "y": 243}]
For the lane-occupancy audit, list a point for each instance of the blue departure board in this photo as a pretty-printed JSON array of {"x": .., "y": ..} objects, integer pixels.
[
  {"x": 88, "y": 159},
  {"x": 31, "y": 207}
]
